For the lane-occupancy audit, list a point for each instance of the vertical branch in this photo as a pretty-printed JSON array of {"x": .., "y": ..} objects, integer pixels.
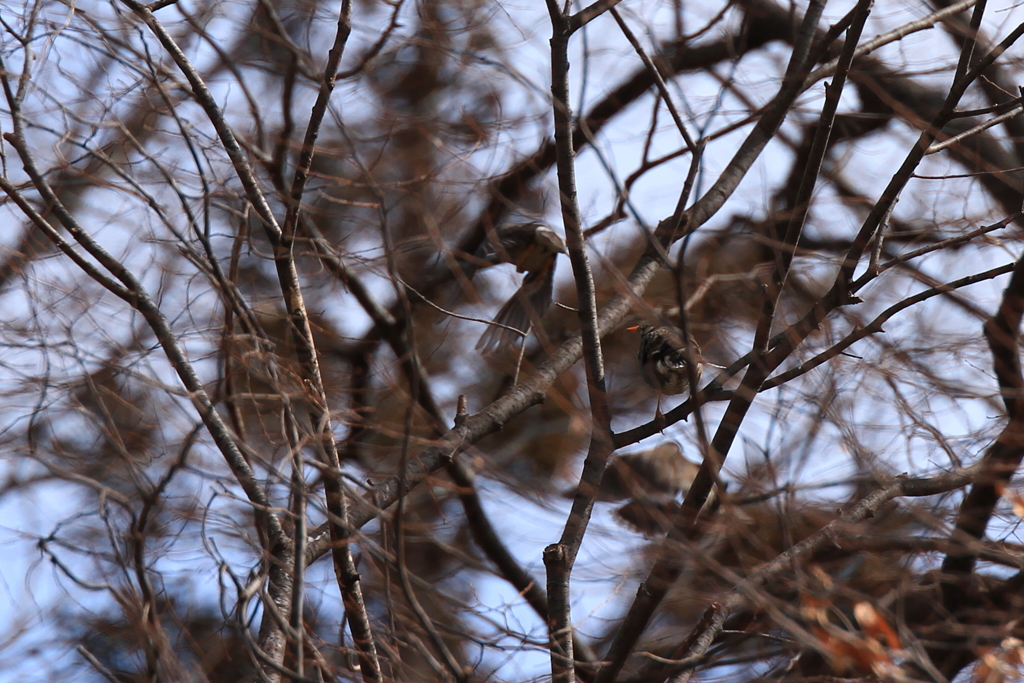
[
  {"x": 997, "y": 466},
  {"x": 482, "y": 531},
  {"x": 787, "y": 243},
  {"x": 298, "y": 569},
  {"x": 487, "y": 539},
  {"x": 1002, "y": 331},
  {"x": 319, "y": 413},
  {"x": 559, "y": 558}
]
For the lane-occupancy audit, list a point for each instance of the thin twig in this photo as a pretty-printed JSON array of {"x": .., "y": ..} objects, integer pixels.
[
  {"x": 883, "y": 39},
  {"x": 866, "y": 508},
  {"x": 658, "y": 80},
  {"x": 994, "y": 121}
]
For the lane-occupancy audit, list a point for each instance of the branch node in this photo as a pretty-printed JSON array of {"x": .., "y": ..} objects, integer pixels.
[{"x": 461, "y": 410}]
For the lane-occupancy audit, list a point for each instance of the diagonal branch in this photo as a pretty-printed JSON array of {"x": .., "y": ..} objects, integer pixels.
[
  {"x": 667, "y": 567},
  {"x": 577, "y": 21},
  {"x": 282, "y": 241}
]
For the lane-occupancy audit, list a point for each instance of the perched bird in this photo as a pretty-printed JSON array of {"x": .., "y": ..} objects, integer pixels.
[
  {"x": 665, "y": 358},
  {"x": 532, "y": 248},
  {"x": 653, "y": 480}
]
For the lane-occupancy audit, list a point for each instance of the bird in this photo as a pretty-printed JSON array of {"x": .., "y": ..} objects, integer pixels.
[
  {"x": 652, "y": 481},
  {"x": 665, "y": 359},
  {"x": 533, "y": 249}
]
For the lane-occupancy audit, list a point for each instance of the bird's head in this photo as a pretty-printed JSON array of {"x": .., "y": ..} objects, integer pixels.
[{"x": 550, "y": 240}]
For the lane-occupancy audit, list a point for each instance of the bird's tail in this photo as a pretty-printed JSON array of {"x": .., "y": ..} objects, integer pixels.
[{"x": 528, "y": 304}]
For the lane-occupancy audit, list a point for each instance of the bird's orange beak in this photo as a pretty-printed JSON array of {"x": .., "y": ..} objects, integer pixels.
[{"x": 633, "y": 329}]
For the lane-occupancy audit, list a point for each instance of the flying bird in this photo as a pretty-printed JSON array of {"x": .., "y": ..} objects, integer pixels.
[{"x": 532, "y": 248}]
